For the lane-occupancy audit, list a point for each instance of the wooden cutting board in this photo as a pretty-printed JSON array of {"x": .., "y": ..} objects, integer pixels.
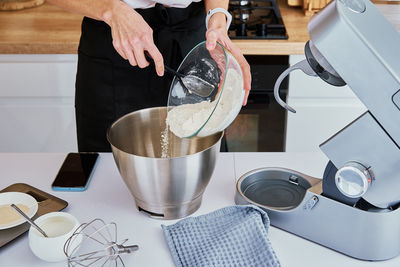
[{"x": 19, "y": 4}]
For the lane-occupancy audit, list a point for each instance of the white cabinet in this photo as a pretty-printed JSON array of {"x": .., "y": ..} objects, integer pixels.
[
  {"x": 322, "y": 110},
  {"x": 37, "y": 103}
]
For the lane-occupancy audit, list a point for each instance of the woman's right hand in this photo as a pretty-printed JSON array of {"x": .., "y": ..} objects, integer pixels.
[{"x": 132, "y": 36}]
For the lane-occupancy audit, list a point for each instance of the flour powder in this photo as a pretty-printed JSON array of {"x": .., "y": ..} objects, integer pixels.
[{"x": 185, "y": 120}]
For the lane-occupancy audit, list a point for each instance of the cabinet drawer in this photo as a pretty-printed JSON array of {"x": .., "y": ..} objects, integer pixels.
[
  {"x": 37, "y": 75},
  {"x": 37, "y": 128},
  {"x": 316, "y": 121},
  {"x": 304, "y": 86}
]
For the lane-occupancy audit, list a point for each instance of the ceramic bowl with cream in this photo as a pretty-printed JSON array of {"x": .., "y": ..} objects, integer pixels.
[{"x": 59, "y": 226}]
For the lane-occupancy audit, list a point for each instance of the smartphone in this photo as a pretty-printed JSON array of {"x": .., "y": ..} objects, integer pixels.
[{"x": 75, "y": 172}]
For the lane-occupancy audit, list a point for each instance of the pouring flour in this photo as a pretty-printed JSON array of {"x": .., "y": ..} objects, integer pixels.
[{"x": 209, "y": 117}]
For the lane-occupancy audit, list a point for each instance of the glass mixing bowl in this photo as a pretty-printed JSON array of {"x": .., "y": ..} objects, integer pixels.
[{"x": 191, "y": 114}]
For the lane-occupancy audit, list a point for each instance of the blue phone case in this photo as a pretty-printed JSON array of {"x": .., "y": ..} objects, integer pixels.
[{"x": 78, "y": 188}]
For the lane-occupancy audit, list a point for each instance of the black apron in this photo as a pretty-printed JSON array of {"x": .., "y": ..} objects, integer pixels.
[{"x": 108, "y": 87}]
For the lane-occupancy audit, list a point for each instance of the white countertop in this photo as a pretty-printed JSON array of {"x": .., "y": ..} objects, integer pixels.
[{"x": 109, "y": 199}]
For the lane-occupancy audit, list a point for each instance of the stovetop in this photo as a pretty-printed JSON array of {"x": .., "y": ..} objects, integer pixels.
[{"x": 256, "y": 20}]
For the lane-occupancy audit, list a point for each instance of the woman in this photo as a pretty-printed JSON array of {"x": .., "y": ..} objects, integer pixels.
[{"x": 113, "y": 77}]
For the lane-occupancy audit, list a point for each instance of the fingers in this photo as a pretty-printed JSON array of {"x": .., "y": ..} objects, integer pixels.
[
  {"x": 212, "y": 38},
  {"x": 246, "y": 74},
  {"x": 129, "y": 53},
  {"x": 140, "y": 58},
  {"x": 243, "y": 65},
  {"x": 158, "y": 59},
  {"x": 246, "y": 95},
  {"x": 117, "y": 44},
  {"x": 123, "y": 47},
  {"x": 134, "y": 52},
  {"x": 132, "y": 37}
]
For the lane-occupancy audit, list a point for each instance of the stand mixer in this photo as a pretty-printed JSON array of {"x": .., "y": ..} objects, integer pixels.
[{"x": 354, "y": 210}]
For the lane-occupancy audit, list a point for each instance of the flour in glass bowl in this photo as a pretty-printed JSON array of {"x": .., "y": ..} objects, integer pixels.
[{"x": 185, "y": 120}]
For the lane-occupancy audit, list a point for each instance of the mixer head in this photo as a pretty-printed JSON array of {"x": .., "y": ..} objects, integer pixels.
[
  {"x": 321, "y": 66},
  {"x": 352, "y": 43}
]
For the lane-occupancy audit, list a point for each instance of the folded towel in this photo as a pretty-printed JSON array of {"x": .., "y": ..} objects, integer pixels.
[{"x": 231, "y": 236}]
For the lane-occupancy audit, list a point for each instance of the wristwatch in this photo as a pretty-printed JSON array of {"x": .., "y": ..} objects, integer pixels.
[{"x": 221, "y": 10}]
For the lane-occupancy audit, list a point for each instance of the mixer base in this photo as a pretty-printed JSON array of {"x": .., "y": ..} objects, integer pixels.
[
  {"x": 169, "y": 212},
  {"x": 371, "y": 234}
]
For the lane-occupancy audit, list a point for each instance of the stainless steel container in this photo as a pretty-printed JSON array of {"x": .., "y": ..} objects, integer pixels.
[
  {"x": 273, "y": 188},
  {"x": 165, "y": 188}
]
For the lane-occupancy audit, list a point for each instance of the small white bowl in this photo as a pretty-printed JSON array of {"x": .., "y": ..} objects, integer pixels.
[{"x": 59, "y": 226}]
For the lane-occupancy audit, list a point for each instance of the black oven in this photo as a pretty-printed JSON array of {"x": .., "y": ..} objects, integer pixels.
[{"x": 260, "y": 125}]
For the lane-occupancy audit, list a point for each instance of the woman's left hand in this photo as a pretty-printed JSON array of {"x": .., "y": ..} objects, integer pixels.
[{"x": 217, "y": 33}]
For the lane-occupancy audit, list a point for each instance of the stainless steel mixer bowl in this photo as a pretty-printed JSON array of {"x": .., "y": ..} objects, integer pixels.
[{"x": 165, "y": 188}]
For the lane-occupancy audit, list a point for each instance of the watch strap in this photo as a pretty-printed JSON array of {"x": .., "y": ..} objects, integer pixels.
[{"x": 219, "y": 10}]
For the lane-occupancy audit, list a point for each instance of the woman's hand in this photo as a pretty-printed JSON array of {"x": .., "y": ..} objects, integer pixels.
[
  {"x": 217, "y": 32},
  {"x": 132, "y": 36}
]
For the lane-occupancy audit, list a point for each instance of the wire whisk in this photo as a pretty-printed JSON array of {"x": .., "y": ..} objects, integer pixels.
[{"x": 96, "y": 243}]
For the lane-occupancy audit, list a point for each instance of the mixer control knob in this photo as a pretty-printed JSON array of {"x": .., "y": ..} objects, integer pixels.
[{"x": 353, "y": 179}]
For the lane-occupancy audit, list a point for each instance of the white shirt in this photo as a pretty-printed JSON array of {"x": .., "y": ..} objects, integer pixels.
[{"x": 151, "y": 3}]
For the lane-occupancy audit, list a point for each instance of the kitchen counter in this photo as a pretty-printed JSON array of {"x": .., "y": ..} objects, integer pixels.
[
  {"x": 108, "y": 198},
  {"x": 48, "y": 29}
]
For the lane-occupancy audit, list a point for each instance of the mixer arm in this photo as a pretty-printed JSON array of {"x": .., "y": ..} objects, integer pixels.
[{"x": 302, "y": 65}]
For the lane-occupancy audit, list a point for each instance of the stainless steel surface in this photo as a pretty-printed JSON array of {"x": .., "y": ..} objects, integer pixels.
[
  {"x": 96, "y": 242},
  {"x": 166, "y": 188},
  {"x": 363, "y": 48},
  {"x": 20, "y": 212},
  {"x": 302, "y": 65},
  {"x": 357, "y": 6},
  {"x": 273, "y": 188},
  {"x": 310, "y": 204},
  {"x": 365, "y": 141},
  {"x": 353, "y": 179},
  {"x": 396, "y": 99},
  {"x": 346, "y": 229}
]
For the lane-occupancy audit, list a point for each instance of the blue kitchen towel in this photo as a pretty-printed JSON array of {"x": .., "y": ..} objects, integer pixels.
[{"x": 231, "y": 236}]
